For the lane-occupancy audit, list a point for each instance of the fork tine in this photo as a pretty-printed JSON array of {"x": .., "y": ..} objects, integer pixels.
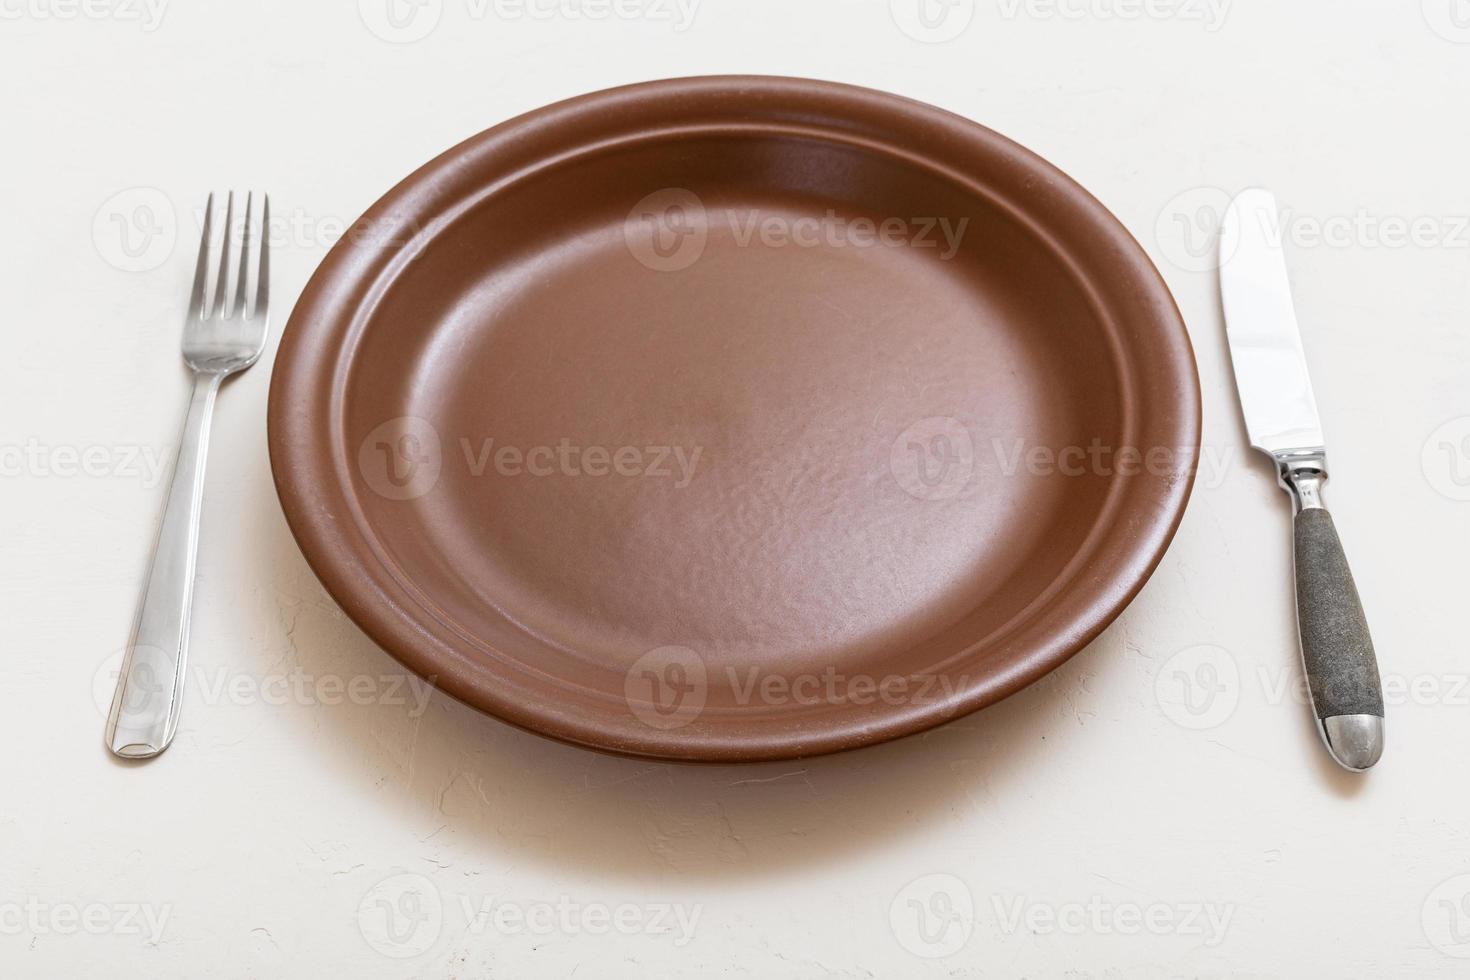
[
  {"x": 237, "y": 308},
  {"x": 201, "y": 266},
  {"x": 263, "y": 282},
  {"x": 218, "y": 303}
]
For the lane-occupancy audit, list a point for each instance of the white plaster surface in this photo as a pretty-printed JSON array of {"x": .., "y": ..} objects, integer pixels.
[{"x": 1096, "y": 825}]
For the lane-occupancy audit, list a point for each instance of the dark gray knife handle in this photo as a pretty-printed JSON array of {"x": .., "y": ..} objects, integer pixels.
[{"x": 1337, "y": 649}]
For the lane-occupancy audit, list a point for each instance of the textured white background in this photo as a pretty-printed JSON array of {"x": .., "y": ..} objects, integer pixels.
[{"x": 1148, "y": 781}]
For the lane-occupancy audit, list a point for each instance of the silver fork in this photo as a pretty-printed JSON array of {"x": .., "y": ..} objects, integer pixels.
[{"x": 223, "y": 334}]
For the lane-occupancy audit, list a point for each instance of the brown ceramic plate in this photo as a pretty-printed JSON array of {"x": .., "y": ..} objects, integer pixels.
[{"x": 734, "y": 419}]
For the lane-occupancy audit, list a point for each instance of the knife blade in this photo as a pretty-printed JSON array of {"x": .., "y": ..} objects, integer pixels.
[
  {"x": 1260, "y": 320},
  {"x": 1281, "y": 420}
]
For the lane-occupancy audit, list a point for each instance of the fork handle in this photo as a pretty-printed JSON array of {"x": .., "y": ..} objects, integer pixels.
[{"x": 150, "y": 686}]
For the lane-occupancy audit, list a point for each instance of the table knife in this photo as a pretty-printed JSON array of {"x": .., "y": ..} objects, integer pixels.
[{"x": 1282, "y": 422}]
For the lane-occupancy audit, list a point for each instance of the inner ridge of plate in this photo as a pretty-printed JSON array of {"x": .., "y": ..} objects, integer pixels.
[{"x": 705, "y": 440}]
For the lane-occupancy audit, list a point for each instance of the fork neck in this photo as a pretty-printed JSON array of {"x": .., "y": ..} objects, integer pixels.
[{"x": 206, "y": 386}]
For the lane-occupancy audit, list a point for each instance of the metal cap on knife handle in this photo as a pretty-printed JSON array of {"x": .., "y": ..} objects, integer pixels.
[{"x": 1281, "y": 418}]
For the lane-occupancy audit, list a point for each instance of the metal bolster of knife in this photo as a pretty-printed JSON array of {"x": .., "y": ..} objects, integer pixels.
[{"x": 1301, "y": 473}]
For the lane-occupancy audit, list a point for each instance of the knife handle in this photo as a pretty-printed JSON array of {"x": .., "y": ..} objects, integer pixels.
[{"x": 1337, "y": 649}]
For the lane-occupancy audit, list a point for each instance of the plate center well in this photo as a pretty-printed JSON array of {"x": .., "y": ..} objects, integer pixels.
[{"x": 795, "y": 454}]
